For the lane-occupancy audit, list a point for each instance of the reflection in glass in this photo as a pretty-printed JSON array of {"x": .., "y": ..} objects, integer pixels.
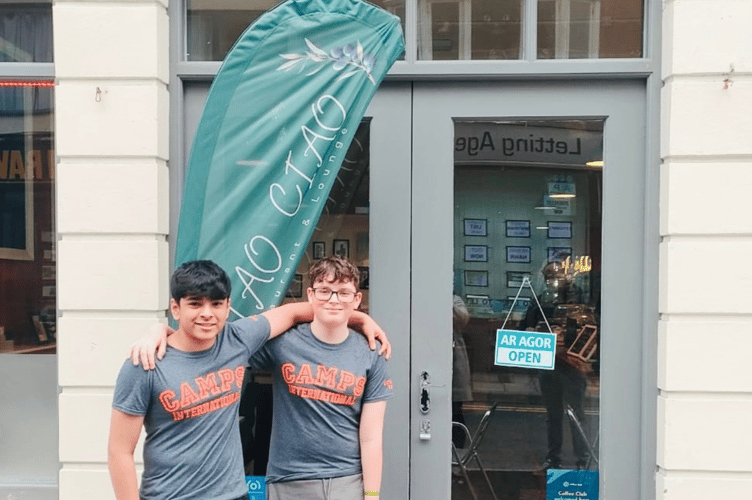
[
  {"x": 470, "y": 29},
  {"x": 26, "y": 32},
  {"x": 343, "y": 226},
  {"x": 581, "y": 29},
  {"x": 524, "y": 192},
  {"x": 212, "y": 26},
  {"x": 27, "y": 230}
]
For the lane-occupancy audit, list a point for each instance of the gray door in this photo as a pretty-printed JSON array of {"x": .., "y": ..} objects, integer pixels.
[{"x": 543, "y": 181}]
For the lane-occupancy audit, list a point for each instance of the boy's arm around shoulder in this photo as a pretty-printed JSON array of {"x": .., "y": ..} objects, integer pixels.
[
  {"x": 124, "y": 432},
  {"x": 286, "y": 316}
]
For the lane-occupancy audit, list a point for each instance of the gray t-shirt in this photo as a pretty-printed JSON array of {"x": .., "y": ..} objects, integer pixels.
[
  {"x": 319, "y": 390},
  {"x": 190, "y": 407}
]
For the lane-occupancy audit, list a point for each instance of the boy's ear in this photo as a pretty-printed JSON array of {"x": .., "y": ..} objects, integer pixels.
[
  {"x": 309, "y": 293},
  {"x": 175, "y": 309},
  {"x": 358, "y": 299}
]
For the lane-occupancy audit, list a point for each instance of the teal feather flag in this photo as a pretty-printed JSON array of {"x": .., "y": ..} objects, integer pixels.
[{"x": 276, "y": 125}]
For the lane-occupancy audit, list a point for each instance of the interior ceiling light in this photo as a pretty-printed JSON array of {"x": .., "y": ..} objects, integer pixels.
[
  {"x": 595, "y": 164},
  {"x": 560, "y": 196}
]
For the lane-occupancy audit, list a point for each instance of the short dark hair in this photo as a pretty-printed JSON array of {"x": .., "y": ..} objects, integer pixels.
[
  {"x": 200, "y": 279},
  {"x": 338, "y": 268}
]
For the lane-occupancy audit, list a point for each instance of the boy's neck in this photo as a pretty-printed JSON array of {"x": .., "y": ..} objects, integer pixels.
[
  {"x": 183, "y": 342},
  {"x": 330, "y": 334}
]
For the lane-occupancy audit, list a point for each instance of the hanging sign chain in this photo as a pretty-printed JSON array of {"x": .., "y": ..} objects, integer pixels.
[{"x": 526, "y": 281}]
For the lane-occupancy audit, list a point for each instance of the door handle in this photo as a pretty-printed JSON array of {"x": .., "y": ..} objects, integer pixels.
[{"x": 425, "y": 397}]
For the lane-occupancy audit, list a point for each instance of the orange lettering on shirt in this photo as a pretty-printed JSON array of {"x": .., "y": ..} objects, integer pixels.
[
  {"x": 288, "y": 373},
  {"x": 227, "y": 377},
  {"x": 346, "y": 379},
  {"x": 304, "y": 375},
  {"x": 239, "y": 372},
  {"x": 187, "y": 395},
  {"x": 326, "y": 376},
  {"x": 360, "y": 384},
  {"x": 167, "y": 397},
  {"x": 206, "y": 385}
]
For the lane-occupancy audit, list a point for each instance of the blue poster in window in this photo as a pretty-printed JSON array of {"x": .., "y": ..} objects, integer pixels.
[
  {"x": 565, "y": 484},
  {"x": 256, "y": 487}
]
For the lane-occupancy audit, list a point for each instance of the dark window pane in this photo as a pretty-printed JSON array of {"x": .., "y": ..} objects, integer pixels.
[
  {"x": 27, "y": 229},
  {"x": 25, "y": 32},
  {"x": 213, "y": 27}
]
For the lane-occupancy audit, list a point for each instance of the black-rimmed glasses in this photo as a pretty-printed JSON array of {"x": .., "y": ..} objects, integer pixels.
[{"x": 344, "y": 296}]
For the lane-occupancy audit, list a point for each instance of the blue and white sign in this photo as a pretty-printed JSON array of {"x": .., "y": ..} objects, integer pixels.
[
  {"x": 525, "y": 349},
  {"x": 565, "y": 484},
  {"x": 256, "y": 487}
]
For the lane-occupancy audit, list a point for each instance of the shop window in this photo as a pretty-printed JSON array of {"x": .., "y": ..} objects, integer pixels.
[
  {"x": 343, "y": 226},
  {"x": 213, "y": 27},
  {"x": 582, "y": 29},
  {"x": 27, "y": 222},
  {"x": 470, "y": 29},
  {"x": 25, "y": 32}
]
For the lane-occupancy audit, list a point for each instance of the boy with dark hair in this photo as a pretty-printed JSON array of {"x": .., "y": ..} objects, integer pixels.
[
  {"x": 189, "y": 403},
  {"x": 330, "y": 393}
]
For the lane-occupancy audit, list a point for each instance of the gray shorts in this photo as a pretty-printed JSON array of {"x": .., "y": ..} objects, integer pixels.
[{"x": 336, "y": 488}]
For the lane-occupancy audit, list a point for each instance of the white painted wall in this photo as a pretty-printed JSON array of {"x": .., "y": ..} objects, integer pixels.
[
  {"x": 705, "y": 330},
  {"x": 112, "y": 128}
]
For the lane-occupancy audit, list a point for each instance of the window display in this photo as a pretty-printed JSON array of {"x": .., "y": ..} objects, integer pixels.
[
  {"x": 27, "y": 227},
  {"x": 532, "y": 336}
]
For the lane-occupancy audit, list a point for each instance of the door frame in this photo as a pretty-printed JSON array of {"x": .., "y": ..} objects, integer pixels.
[{"x": 623, "y": 104}]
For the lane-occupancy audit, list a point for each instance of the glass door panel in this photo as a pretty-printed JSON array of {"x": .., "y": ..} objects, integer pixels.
[{"x": 527, "y": 239}]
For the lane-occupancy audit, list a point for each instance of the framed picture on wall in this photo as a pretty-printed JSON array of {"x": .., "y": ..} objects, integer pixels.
[
  {"x": 341, "y": 248},
  {"x": 361, "y": 246},
  {"x": 559, "y": 230},
  {"x": 295, "y": 290},
  {"x": 518, "y": 229},
  {"x": 514, "y": 278},
  {"x": 476, "y": 253},
  {"x": 559, "y": 253},
  {"x": 363, "y": 277},
  {"x": 319, "y": 249},
  {"x": 476, "y": 278},
  {"x": 520, "y": 306},
  {"x": 476, "y": 227},
  {"x": 519, "y": 255}
]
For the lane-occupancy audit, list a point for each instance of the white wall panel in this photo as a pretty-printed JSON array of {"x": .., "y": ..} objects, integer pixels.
[
  {"x": 706, "y": 275},
  {"x": 104, "y": 197},
  {"x": 703, "y": 197},
  {"x": 707, "y": 37},
  {"x": 122, "y": 119},
  {"x": 126, "y": 36},
  {"x": 687, "y": 487},
  {"x": 85, "y": 419},
  {"x": 92, "y": 350},
  {"x": 705, "y": 355},
  {"x": 701, "y": 117},
  {"x": 705, "y": 434},
  {"x": 112, "y": 274},
  {"x": 86, "y": 484}
]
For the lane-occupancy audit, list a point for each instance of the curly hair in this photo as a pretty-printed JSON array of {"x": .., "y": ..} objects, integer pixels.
[{"x": 334, "y": 269}]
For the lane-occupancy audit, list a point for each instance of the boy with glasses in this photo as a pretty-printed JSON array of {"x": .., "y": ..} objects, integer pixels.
[{"x": 330, "y": 393}]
